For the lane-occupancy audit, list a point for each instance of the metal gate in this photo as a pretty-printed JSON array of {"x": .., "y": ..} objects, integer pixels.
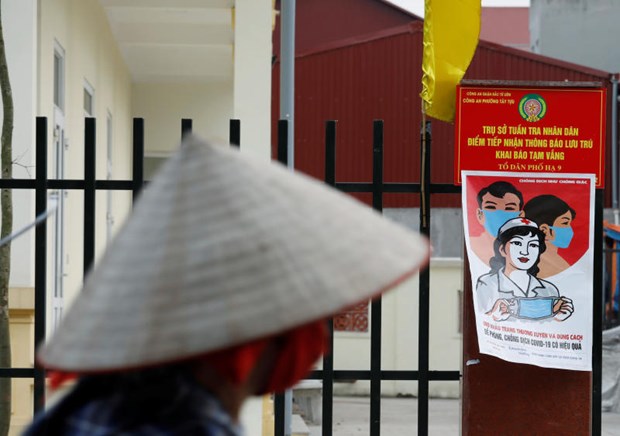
[{"x": 328, "y": 375}]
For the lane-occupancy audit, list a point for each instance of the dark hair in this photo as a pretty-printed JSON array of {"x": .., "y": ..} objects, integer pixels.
[
  {"x": 499, "y": 189},
  {"x": 498, "y": 261},
  {"x": 544, "y": 209}
]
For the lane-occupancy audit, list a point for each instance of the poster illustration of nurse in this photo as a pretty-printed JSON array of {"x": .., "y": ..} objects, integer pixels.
[{"x": 530, "y": 250}]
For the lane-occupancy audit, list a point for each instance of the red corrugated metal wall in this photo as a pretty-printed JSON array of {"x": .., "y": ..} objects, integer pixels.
[{"x": 379, "y": 77}]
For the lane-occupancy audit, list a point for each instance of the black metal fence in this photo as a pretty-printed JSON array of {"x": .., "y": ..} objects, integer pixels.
[
  {"x": 375, "y": 375},
  {"x": 90, "y": 185},
  {"x": 423, "y": 375}
]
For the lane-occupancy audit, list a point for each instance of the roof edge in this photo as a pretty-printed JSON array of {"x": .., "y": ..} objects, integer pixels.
[
  {"x": 418, "y": 26},
  {"x": 412, "y": 27},
  {"x": 545, "y": 59},
  {"x": 532, "y": 84}
]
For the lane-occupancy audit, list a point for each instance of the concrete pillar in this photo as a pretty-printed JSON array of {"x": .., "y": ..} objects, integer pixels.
[
  {"x": 252, "y": 105},
  {"x": 252, "y": 74}
]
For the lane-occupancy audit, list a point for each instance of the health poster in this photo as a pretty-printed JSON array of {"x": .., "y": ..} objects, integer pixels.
[{"x": 529, "y": 240}]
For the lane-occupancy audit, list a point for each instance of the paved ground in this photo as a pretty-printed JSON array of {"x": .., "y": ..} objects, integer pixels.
[{"x": 399, "y": 417}]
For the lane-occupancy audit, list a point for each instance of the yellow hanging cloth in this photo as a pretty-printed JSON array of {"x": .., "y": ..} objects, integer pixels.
[{"x": 451, "y": 30}]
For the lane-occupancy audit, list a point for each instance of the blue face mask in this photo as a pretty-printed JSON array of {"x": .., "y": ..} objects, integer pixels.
[
  {"x": 535, "y": 308},
  {"x": 493, "y": 219},
  {"x": 563, "y": 236}
]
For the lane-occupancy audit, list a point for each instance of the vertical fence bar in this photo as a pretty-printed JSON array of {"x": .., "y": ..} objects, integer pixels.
[
  {"x": 90, "y": 135},
  {"x": 330, "y": 153},
  {"x": 137, "y": 178},
  {"x": 424, "y": 306},
  {"x": 328, "y": 359},
  {"x": 40, "y": 257},
  {"x": 186, "y": 126},
  {"x": 235, "y": 133},
  {"x": 278, "y": 406},
  {"x": 282, "y": 152},
  {"x": 279, "y": 400},
  {"x": 375, "y": 321},
  {"x": 377, "y": 165},
  {"x": 598, "y": 303}
]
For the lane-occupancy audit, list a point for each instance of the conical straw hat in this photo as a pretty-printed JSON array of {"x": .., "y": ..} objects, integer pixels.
[{"x": 222, "y": 249}]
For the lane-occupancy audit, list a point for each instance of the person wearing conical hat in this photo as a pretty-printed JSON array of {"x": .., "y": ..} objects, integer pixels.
[
  {"x": 512, "y": 288},
  {"x": 216, "y": 289}
]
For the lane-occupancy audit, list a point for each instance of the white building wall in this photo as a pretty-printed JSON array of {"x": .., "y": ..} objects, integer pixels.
[
  {"x": 33, "y": 28},
  {"x": 400, "y": 318},
  {"x": 211, "y": 104},
  {"x": 163, "y": 105},
  {"x": 446, "y": 337},
  {"x": 579, "y": 31},
  {"x": 81, "y": 28}
]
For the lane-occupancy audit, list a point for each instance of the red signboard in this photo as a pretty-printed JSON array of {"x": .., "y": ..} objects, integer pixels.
[{"x": 534, "y": 129}]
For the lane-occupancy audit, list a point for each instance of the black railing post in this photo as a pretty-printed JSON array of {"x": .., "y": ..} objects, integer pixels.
[
  {"x": 40, "y": 257},
  {"x": 90, "y": 138},
  {"x": 282, "y": 153},
  {"x": 235, "y": 133},
  {"x": 598, "y": 303},
  {"x": 279, "y": 402},
  {"x": 424, "y": 305},
  {"x": 377, "y": 165},
  {"x": 328, "y": 357},
  {"x": 186, "y": 126},
  {"x": 375, "y": 321},
  {"x": 137, "y": 178}
]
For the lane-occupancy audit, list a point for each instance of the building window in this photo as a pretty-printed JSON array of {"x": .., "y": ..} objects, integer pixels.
[
  {"x": 459, "y": 308},
  {"x": 109, "y": 212},
  {"x": 59, "y": 76},
  {"x": 89, "y": 97}
]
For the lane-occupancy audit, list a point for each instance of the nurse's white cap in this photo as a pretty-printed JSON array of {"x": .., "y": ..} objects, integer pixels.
[{"x": 516, "y": 222}]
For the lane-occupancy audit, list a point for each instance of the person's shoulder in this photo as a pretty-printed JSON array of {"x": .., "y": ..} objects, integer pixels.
[{"x": 487, "y": 278}]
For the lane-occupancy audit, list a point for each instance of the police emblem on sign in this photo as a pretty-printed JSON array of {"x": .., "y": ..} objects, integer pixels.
[{"x": 532, "y": 107}]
